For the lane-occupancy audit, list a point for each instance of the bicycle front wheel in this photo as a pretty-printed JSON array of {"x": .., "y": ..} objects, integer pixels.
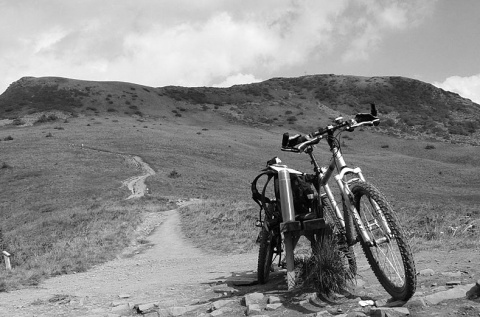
[{"x": 389, "y": 255}]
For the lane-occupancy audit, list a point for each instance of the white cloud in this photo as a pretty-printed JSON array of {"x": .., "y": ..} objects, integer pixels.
[
  {"x": 190, "y": 43},
  {"x": 373, "y": 20},
  {"x": 238, "y": 79},
  {"x": 467, "y": 87}
]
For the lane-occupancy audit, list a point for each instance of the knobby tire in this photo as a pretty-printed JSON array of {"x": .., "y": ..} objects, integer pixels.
[
  {"x": 396, "y": 273},
  {"x": 265, "y": 255}
]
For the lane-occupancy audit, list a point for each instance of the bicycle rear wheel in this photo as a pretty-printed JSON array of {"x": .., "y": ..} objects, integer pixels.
[
  {"x": 389, "y": 255},
  {"x": 268, "y": 243}
]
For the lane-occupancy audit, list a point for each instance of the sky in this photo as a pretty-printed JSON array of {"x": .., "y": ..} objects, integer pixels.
[{"x": 226, "y": 42}]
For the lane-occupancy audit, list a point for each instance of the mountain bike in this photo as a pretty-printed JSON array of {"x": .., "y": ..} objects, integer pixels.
[{"x": 359, "y": 214}]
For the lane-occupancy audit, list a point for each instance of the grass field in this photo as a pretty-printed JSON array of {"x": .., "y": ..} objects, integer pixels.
[{"x": 63, "y": 207}]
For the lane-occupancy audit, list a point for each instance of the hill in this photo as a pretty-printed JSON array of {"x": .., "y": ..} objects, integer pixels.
[
  {"x": 409, "y": 108},
  {"x": 63, "y": 166}
]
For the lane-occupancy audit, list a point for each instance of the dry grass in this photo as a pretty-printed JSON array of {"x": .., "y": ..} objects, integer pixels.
[
  {"x": 221, "y": 225},
  {"x": 54, "y": 192}
]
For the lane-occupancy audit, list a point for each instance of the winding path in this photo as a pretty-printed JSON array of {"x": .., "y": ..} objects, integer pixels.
[{"x": 171, "y": 271}]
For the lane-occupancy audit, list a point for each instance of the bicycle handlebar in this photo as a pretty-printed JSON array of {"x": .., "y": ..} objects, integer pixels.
[{"x": 299, "y": 143}]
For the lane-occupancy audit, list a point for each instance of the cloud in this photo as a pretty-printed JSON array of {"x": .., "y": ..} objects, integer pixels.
[
  {"x": 467, "y": 87},
  {"x": 238, "y": 79},
  {"x": 190, "y": 43},
  {"x": 373, "y": 20}
]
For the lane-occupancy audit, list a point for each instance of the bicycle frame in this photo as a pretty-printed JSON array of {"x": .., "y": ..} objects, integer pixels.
[{"x": 337, "y": 163}]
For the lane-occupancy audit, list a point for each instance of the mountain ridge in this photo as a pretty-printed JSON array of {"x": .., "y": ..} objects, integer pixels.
[{"x": 408, "y": 107}]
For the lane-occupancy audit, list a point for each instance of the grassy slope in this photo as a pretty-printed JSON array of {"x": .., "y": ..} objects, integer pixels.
[{"x": 54, "y": 193}]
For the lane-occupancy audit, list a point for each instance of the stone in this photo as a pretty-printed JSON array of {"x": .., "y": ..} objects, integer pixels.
[
  {"x": 323, "y": 313},
  {"x": 122, "y": 310},
  {"x": 452, "y": 274},
  {"x": 273, "y": 306},
  {"x": 451, "y": 283},
  {"x": 220, "y": 303},
  {"x": 124, "y": 296},
  {"x": 254, "y": 298},
  {"x": 151, "y": 314},
  {"x": 356, "y": 314},
  {"x": 474, "y": 292},
  {"x": 253, "y": 309},
  {"x": 177, "y": 311},
  {"x": 224, "y": 289},
  {"x": 273, "y": 300},
  {"x": 389, "y": 312},
  {"x": 415, "y": 302},
  {"x": 456, "y": 292},
  {"x": 146, "y": 308},
  {"x": 426, "y": 272},
  {"x": 216, "y": 313}
]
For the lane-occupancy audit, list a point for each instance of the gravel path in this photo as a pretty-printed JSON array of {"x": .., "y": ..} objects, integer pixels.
[{"x": 170, "y": 271}]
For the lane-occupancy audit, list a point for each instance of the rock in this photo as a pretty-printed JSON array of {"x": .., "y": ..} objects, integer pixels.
[
  {"x": 224, "y": 289},
  {"x": 216, "y": 313},
  {"x": 177, "y": 311},
  {"x": 273, "y": 300},
  {"x": 273, "y": 306},
  {"x": 253, "y": 309},
  {"x": 451, "y": 283},
  {"x": 122, "y": 310},
  {"x": 124, "y": 296},
  {"x": 356, "y": 314},
  {"x": 151, "y": 314},
  {"x": 220, "y": 303},
  {"x": 474, "y": 292},
  {"x": 389, "y": 312},
  {"x": 364, "y": 303},
  {"x": 146, "y": 308},
  {"x": 416, "y": 302},
  {"x": 323, "y": 313},
  {"x": 456, "y": 292},
  {"x": 254, "y": 298},
  {"x": 452, "y": 274},
  {"x": 427, "y": 272}
]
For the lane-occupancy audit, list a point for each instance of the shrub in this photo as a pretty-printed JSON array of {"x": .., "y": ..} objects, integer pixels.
[
  {"x": 8, "y": 138},
  {"x": 174, "y": 174},
  {"x": 49, "y": 135},
  {"x": 326, "y": 270},
  {"x": 17, "y": 121},
  {"x": 385, "y": 146},
  {"x": 3, "y": 166},
  {"x": 111, "y": 110},
  {"x": 429, "y": 147}
]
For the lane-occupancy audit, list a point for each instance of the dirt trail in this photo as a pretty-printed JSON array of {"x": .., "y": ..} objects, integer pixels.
[
  {"x": 171, "y": 271},
  {"x": 136, "y": 184}
]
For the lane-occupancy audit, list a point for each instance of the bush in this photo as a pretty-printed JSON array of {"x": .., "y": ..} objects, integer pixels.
[
  {"x": 3, "y": 166},
  {"x": 429, "y": 147},
  {"x": 174, "y": 174},
  {"x": 18, "y": 121},
  {"x": 8, "y": 138},
  {"x": 49, "y": 135},
  {"x": 326, "y": 270},
  {"x": 385, "y": 146}
]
